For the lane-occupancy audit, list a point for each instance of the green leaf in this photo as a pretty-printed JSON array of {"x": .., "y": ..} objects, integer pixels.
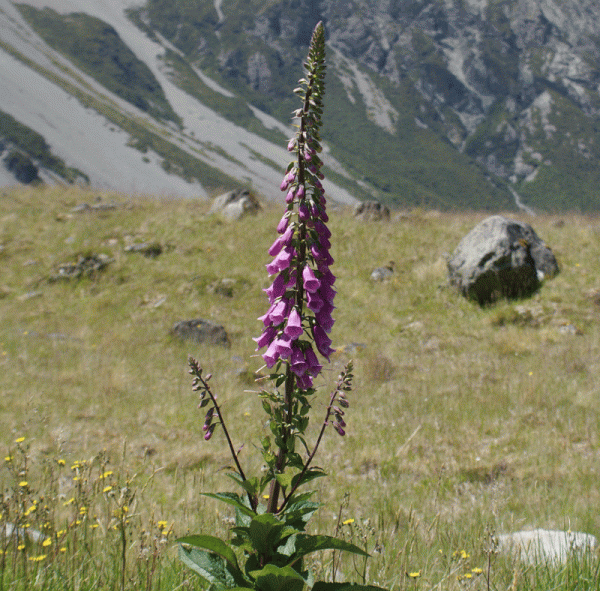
[
  {"x": 263, "y": 533},
  {"x": 212, "y": 544},
  {"x": 284, "y": 479},
  {"x": 320, "y": 586},
  {"x": 232, "y": 499},
  {"x": 212, "y": 568},
  {"x": 306, "y": 544},
  {"x": 308, "y": 476},
  {"x": 274, "y": 578}
]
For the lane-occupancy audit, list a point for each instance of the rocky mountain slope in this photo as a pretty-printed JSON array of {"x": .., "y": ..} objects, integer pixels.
[{"x": 441, "y": 103}]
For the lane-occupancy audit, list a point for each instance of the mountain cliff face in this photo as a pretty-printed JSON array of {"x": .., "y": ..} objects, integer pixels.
[
  {"x": 441, "y": 103},
  {"x": 511, "y": 85}
]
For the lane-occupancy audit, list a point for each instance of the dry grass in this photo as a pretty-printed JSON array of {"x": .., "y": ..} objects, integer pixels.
[{"x": 464, "y": 420}]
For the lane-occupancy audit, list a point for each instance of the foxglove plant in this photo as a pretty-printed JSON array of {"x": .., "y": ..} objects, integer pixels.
[{"x": 295, "y": 333}]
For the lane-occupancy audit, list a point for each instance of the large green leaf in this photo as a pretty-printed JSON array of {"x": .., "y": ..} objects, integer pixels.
[
  {"x": 306, "y": 544},
  {"x": 232, "y": 499},
  {"x": 212, "y": 568},
  {"x": 344, "y": 587},
  {"x": 212, "y": 544},
  {"x": 274, "y": 578}
]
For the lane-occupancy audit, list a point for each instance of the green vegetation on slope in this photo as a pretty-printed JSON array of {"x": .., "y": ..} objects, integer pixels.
[
  {"x": 96, "y": 48},
  {"x": 36, "y": 147}
]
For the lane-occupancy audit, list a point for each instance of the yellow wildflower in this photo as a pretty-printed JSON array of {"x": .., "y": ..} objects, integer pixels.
[
  {"x": 69, "y": 502},
  {"x": 8, "y": 459},
  {"x": 348, "y": 521},
  {"x": 37, "y": 558},
  {"x": 61, "y": 462},
  {"x": 415, "y": 574},
  {"x": 23, "y": 483},
  {"x": 47, "y": 542},
  {"x": 21, "y": 547},
  {"x": 107, "y": 489},
  {"x": 477, "y": 570},
  {"x": 20, "y": 440}
]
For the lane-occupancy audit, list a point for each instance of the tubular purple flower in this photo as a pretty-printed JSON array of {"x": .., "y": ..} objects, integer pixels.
[
  {"x": 293, "y": 328},
  {"x": 290, "y": 196},
  {"x": 300, "y": 191},
  {"x": 314, "y": 367},
  {"x": 277, "y": 288},
  {"x": 280, "y": 311},
  {"x": 322, "y": 341},
  {"x": 291, "y": 145},
  {"x": 283, "y": 224},
  {"x": 283, "y": 240},
  {"x": 314, "y": 302},
  {"x": 265, "y": 338},
  {"x": 281, "y": 261},
  {"x": 283, "y": 346},
  {"x": 304, "y": 382},
  {"x": 271, "y": 355},
  {"x": 297, "y": 361},
  {"x": 311, "y": 283}
]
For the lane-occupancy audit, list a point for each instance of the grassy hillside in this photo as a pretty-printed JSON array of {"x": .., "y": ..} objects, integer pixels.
[{"x": 464, "y": 421}]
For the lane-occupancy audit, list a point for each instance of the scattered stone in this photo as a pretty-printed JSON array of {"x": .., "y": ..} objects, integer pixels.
[
  {"x": 150, "y": 250},
  {"x": 500, "y": 258},
  {"x": 372, "y": 211},
  {"x": 383, "y": 273},
  {"x": 86, "y": 266},
  {"x": 22, "y": 534},
  {"x": 541, "y": 545},
  {"x": 201, "y": 331},
  {"x": 235, "y": 205}
]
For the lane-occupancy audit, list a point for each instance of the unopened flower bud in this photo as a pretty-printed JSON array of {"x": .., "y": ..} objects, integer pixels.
[{"x": 209, "y": 433}]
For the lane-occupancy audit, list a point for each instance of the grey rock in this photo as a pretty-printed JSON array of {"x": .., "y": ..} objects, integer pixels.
[
  {"x": 86, "y": 266},
  {"x": 201, "y": 331},
  {"x": 544, "y": 546},
  {"x": 383, "y": 273},
  {"x": 500, "y": 258},
  {"x": 150, "y": 250},
  {"x": 235, "y": 205},
  {"x": 372, "y": 211}
]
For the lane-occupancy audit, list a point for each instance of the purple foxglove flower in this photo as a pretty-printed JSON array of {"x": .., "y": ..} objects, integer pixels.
[
  {"x": 324, "y": 319},
  {"x": 327, "y": 293},
  {"x": 283, "y": 240},
  {"x": 266, "y": 337},
  {"x": 294, "y": 325},
  {"x": 311, "y": 283},
  {"x": 298, "y": 363},
  {"x": 281, "y": 261},
  {"x": 314, "y": 367},
  {"x": 322, "y": 230},
  {"x": 291, "y": 145},
  {"x": 290, "y": 196},
  {"x": 271, "y": 355},
  {"x": 322, "y": 256},
  {"x": 314, "y": 302},
  {"x": 283, "y": 224},
  {"x": 339, "y": 429},
  {"x": 323, "y": 342},
  {"x": 283, "y": 346},
  {"x": 209, "y": 432},
  {"x": 277, "y": 288},
  {"x": 280, "y": 310},
  {"x": 303, "y": 212},
  {"x": 304, "y": 382},
  {"x": 300, "y": 191}
]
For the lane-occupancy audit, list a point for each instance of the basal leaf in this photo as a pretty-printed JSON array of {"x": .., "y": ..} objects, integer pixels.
[
  {"x": 212, "y": 568},
  {"x": 274, "y": 578},
  {"x": 212, "y": 544}
]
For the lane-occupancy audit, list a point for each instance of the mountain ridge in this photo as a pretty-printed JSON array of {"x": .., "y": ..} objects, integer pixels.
[{"x": 461, "y": 104}]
